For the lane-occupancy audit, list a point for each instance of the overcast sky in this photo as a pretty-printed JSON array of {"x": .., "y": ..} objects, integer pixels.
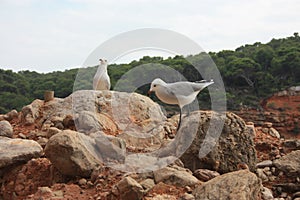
[{"x": 51, "y": 35}]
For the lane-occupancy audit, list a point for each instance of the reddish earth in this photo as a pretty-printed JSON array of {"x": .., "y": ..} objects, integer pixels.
[{"x": 38, "y": 179}]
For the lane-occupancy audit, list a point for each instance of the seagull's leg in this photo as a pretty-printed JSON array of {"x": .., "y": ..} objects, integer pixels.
[{"x": 179, "y": 122}]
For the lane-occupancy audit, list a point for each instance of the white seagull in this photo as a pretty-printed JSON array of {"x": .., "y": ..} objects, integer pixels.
[
  {"x": 178, "y": 93},
  {"x": 101, "y": 79}
]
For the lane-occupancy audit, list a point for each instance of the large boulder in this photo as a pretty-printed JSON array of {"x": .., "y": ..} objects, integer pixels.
[
  {"x": 290, "y": 163},
  {"x": 129, "y": 115},
  {"x": 242, "y": 185},
  {"x": 68, "y": 152},
  {"x": 225, "y": 152},
  {"x": 15, "y": 151},
  {"x": 6, "y": 129}
]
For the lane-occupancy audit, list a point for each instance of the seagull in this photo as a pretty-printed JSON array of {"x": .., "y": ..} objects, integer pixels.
[
  {"x": 179, "y": 93},
  {"x": 101, "y": 79}
]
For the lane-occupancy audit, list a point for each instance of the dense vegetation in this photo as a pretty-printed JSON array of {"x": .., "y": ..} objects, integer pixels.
[{"x": 250, "y": 73}]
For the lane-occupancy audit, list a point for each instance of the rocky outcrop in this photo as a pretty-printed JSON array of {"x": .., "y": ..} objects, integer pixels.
[
  {"x": 242, "y": 185},
  {"x": 6, "y": 129},
  {"x": 290, "y": 163},
  {"x": 16, "y": 151},
  {"x": 68, "y": 153},
  {"x": 233, "y": 146}
]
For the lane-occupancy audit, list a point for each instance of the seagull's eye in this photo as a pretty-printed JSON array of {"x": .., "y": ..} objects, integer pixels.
[{"x": 154, "y": 85}]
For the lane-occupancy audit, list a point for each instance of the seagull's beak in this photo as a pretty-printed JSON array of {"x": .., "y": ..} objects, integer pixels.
[{"x": 149, "y": 93}]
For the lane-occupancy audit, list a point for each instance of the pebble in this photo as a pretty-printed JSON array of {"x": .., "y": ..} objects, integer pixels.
[
  {"x": 265, "y": 163},
  {"x": 82, "y": 182}
]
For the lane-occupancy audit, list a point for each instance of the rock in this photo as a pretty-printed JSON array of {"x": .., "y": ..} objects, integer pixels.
[
  {"x": 205, "y": 174},
  {"x": 128, "y": 188},
  {"x": 26, "y": 179},
  {"x": 261, "y": 174},
  {"x": 6, "y": 129},
  {"x": 290, "y": 163},
  {"x": 265, "y": 163},
  {"x": 242, "y": 185},
  {"x": 31, "y": 112},
  {"x": 126, "y": 110},
  {"x": 235, "y": 144},
  {"x": 147, "y": 184},
  {"x": 175, "y": 176},
  {"x": 68, "y": 153},
  {"x": 82, "y": 182},
  {"x": 109, "y": 148},
  {"x": 11, "y": 115},
  {"x": 268, "y": 124},
  {"x": 14, "y": 151},
  {"x": 267, "y": 194},
  {"x": 273, "y": 132},
  {"x": 187, "y": 196},
  {"x": 292, "y": 144},
  {"x": 52, "y": 131}
]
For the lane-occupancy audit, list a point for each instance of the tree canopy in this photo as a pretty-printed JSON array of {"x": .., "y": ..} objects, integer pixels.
[{"x": 250, "y": 73}]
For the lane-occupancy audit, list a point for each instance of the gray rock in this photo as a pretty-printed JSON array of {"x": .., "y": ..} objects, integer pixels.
[
  {"x": 242, "y": 185},
  {"x": 234, "y": 145},
  {"x": 31, "y": 112},
  {"x": 68, "y": 152},
  {"x": 6, "y": 129},
  {"x": 175, "y": 176},
  {"x": 205, "y": 174},
  {"x": 11, "y": 115},
  {"x": 265, "y": 163},
  {"x": 187, "y": 196},
  {"x": 109, "y": 148},
  {"x": 128, "y": 188},
  {"x": 290, "y": 163},
  {"x": 147, "y": 184},
  {"x": 267, "y": 194},
  {"x": 14, "y": 151}
]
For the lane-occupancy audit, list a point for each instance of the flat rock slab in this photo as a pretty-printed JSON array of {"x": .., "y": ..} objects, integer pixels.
[{"x": 13, "y": 151}]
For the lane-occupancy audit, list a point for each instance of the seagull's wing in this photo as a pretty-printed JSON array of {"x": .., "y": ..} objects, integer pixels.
[{"x": 198, "y": 86}]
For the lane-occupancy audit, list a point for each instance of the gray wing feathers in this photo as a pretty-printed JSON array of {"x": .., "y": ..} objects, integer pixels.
[{"x": 186, "y": 88}]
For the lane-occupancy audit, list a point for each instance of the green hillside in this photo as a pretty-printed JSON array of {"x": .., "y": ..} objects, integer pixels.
[{"x": 250, "y": 73}]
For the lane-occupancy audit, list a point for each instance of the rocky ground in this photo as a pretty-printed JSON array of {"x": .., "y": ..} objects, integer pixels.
[{"x": 69, "y": 149}]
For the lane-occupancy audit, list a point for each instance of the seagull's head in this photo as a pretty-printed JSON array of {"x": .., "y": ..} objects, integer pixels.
[
  {"x": 103, "y": 62},
  {"x": 155, "y": 85}
]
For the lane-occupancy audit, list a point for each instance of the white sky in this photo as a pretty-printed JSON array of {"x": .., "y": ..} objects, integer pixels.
[{"x": 52, "y": 35}]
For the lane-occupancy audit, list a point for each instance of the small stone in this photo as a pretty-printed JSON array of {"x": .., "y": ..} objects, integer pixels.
[
  {"x": 268, "y": 124},
  {"x": 6, "y": 129},
  {"x": 250, "y": 123},
  {"x": 267, "y": 194},
  {"x": 284, "y": 195},
  {"x": 147, "y": 184},
  {"x": 11, "y": 115},
  {"x": 205, "y": 174},
  {"x": 82, "y": 182},
  {"x": 265, "y": 163},
  {"x": 22, "y": 136},
  {"x": 52, "y": 131},
  {"x": 188, "y": 189},
  {"x": 187, "y": 196},
  {"x": 296, "y": 194}
]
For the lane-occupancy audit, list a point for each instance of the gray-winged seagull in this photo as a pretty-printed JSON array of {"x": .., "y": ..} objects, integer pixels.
[{"x": 178, "y": 93}]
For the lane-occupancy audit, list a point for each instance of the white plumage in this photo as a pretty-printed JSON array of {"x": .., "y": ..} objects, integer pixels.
[
  {"x": 101, "y": 79},
  {"x": 178, "y": 93}
]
